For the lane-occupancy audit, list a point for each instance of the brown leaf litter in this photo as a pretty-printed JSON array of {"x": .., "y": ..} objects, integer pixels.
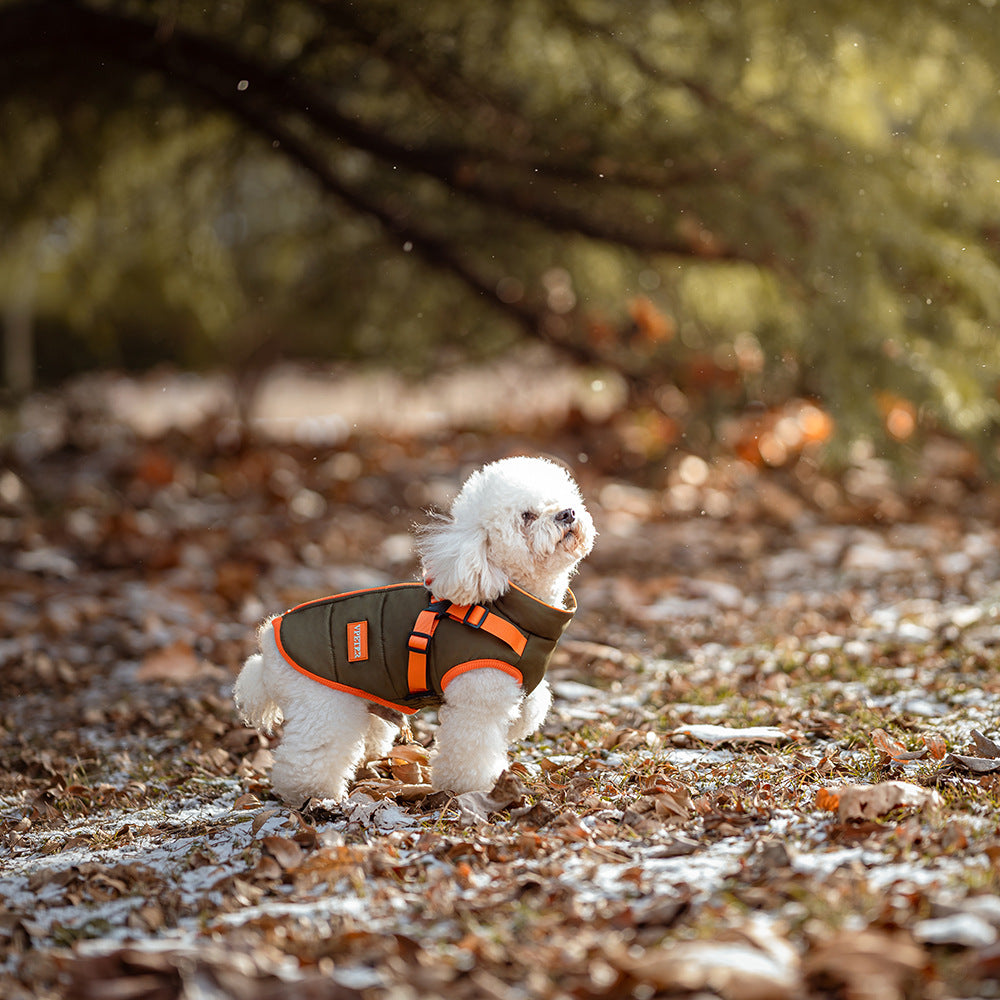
[{"x": 771, "y": 769}]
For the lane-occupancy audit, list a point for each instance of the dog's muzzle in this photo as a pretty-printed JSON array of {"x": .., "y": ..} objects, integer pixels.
[
  {"x": 567, "y": 523},
  {"x": 566, "y": 517}
]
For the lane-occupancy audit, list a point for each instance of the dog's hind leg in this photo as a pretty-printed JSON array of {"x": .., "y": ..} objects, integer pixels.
[
  {"x": 253, "y": 699},
  {"x": 379, "y": 737},
  {"x": 321, "y": 746},
  {"x": 472, "y": 737}
]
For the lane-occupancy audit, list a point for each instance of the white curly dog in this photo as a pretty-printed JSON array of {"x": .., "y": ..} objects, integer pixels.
[{"x": 515, "y": 533}]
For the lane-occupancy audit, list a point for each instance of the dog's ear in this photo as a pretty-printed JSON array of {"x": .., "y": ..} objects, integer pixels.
[{"x": 456, "y": 563}]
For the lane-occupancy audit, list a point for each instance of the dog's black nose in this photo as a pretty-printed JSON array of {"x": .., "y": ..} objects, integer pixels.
[{"x": 567, "y": 516}]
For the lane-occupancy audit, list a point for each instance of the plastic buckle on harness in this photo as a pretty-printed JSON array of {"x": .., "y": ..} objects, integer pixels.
[
  {"x": 472, "y": 615},
  {"x": 480, "y": 613},
  {"x": 418, "y": 642}
]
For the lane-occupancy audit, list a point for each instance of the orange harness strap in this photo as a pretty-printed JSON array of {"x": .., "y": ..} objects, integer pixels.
[
  {"x": 418, "y": 644},
  {"x": 476, "y": 616},
  {"x": 473, "y": 615}
]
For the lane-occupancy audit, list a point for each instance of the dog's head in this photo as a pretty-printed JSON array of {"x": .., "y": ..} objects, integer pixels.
[{"x": 519, "y": 520}]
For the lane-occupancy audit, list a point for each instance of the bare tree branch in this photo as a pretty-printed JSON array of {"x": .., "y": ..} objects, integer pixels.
[{"x": 188, "y": 57}]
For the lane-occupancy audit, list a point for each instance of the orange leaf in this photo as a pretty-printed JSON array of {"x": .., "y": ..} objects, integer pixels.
[
  {"x": 410, "y": 752},
  {"x": 463, "y": 874},
  {"x": 407, "y": 772},
  {"x": 177, "y": 663},
  {"x": 651, "y": 324},
  {"x": 888, "y": 745},
  {"x": 827, "y": 799},
  {"x": 936, "y": 745}
]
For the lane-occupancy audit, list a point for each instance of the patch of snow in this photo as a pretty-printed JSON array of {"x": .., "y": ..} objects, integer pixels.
[
  {"x": 314, "y": 911},
  {"x": 825, "y": 641},
  {"x": 964, "y": 929},
  {"x": 912, "y": 632},
  {"x": 357, "y": 978},
  {"x": 966, "y": 615},
  {"x": 880, "y": 873},
  {"x": 725, "y": 595},
  {"x": 576, "y": 713},
  {"x": 668, "y": 608},
  {"x": 383, "y": 815},
  {"x": 872, "y": 557},
  {"x": 702, "y": 711},
  {"x": 693, "y": 757},
  {"x": 725, "y": 734},
  {"x": 703, "y": 872},
  {"x": 575, "y": 691},
  {"x": 985, "y": 907},
  {"x": 925, "y": 707}
]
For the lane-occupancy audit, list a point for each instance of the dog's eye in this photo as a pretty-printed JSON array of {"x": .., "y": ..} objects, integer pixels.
[{"x": 528, "y": 516}]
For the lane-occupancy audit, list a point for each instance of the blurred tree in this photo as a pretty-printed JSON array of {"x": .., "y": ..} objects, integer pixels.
[{"x": 742, "y": 195}]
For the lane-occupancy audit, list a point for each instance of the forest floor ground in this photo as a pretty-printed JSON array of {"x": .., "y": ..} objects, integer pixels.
[{"x": 770, "y": 770}]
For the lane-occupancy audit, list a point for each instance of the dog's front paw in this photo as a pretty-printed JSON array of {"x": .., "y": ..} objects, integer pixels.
[{"x": 465, "y": 776}]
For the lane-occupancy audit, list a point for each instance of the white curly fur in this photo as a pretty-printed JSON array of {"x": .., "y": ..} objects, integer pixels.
[{"x": 519, "y": 520}]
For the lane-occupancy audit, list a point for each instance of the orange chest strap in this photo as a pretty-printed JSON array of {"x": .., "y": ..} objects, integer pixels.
[{"x": 473, "y": 615}]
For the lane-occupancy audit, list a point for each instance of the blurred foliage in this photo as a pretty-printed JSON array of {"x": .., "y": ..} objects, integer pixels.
[{"x": 749, "y": 201}]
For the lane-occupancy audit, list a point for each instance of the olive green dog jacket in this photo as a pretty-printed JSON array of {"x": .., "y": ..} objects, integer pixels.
[{"x": 400, "y": 647}]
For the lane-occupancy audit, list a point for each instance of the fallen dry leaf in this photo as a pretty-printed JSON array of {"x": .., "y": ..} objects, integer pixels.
[
  {"x": 893, "y": 748},
  {"x": 978, "y": 765},
  {"x": 175, "y": 663},
  {"x": 865, "y": 965},
  {"x": 987, "y": 761},
  {"x": 828, "y": 799},
  {"x": 559, "y": 762},
  {"x": 668, "y": 802},
  {"x": 268, "y": 868},
  {"x": 985, "y": 746},
  {"x": 408, "y": 772},
  {"x": 869, "y": 802},
  {"x": 410, "y": 753},
  {"x": 401, "y": 790},
  {"x": 732, "y": 970},
  {"x": 630, "y": 739},
  {"x": 286, "y": 852}
]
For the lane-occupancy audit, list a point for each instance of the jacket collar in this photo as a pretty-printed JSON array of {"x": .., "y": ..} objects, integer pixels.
[{"x": 534, "y": 615}]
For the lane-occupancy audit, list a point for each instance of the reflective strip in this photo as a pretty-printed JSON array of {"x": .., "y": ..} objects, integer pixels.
[{"x": 464, "y": 668}]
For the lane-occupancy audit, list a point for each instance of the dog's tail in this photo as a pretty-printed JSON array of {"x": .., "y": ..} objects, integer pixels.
[{"x": 253, "y": 700}]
